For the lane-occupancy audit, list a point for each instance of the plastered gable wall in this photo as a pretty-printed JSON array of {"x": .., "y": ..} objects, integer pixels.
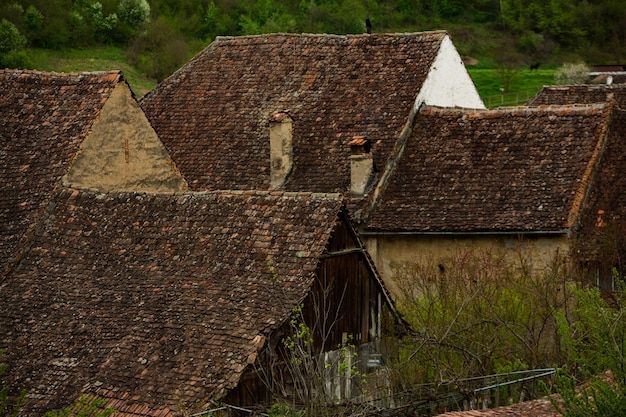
[
  {"x": 393, "y": 253},
  {"x": 123, "y": 152},
  {"x": 448, "y": 83}
]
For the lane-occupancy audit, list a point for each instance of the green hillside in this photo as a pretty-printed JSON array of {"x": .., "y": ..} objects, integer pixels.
[{"x": 149, "y": 39}]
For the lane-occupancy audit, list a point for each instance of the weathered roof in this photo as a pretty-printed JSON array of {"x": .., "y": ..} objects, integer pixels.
[
  {"x": 606, "y": 203},
  {"x": 154, "y": 301},
  {"x": 44, "y": 118},
  {"x": 536, "y": 408},
  {"x": 505, "y": 170},
  {"x": 213, "y": 113},
  {"x": 580, "y": 94}
]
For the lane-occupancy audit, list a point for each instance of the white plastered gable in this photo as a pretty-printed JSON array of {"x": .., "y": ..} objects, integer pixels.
[{"x": 448, "y": 83}]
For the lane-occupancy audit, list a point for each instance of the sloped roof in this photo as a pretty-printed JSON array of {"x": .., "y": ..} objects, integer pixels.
[
  {"x": 541, "y": 407},
  {"x": 154, "y": 301},
  {"x": 580, "y": 94},
  {"x": 606, "y": 204},
  {"x": 44, "y": 117},
  {"x": 504, "y": 170},
  {"x": 213, "y": 113}
]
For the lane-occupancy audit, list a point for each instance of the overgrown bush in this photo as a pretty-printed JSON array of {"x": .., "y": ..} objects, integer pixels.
[
  {"x": 594, "y": 340},
  {"x": 572, "y": 73},
  {"x": 476, "y": 313}
]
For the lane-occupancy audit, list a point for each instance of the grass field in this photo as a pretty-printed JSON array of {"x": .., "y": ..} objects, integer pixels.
[
  {"x": 105, "y": 58},
  {"x": 523, "y": 85}
]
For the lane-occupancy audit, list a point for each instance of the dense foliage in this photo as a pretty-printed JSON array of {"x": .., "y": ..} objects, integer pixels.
[
  {"x": 480, "y": 313},
  {"x": 161, "y": 34}
]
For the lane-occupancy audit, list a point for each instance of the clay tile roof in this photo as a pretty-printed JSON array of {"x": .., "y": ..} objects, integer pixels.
[
  {"x": 44, "y": 118},
  {"x": 358, "y": 141},
  {"x": 212, "y": 114},
  {"x": 580, "y": 94},
  {"x": 536, "y": 408},
  {"x": 505, "y": 170},
  {"x": 152, "y": 301}
]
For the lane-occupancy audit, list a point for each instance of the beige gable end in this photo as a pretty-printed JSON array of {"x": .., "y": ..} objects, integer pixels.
[{"x": 123, "y": 152}]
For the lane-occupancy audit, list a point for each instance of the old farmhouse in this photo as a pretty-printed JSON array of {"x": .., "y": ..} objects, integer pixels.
[{"x": 511, "y": 179}]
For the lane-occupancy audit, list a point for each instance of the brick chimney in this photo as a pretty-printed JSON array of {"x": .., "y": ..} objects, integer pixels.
[
  {"x": 281, "y": 148},
  {"x": 361, "y": 165}
]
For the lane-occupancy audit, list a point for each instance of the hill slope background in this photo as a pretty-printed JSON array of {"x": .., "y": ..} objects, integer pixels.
[{"x": 149, "y": 39}]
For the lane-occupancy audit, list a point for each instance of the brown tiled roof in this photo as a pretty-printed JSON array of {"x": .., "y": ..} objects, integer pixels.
[
  {"x": 213, "y": 113},
  {"x": 580, "y": 94},
  {"x": 155, "y": 302},
  {"x": 536, "y": 408},
  {"x": 504, "y": 170},
  {"x": 606, "y": 204},
  {"x": 44, "y": 117}
]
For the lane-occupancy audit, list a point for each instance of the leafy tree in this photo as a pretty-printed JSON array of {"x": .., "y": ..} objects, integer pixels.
[
  {"x": 134, "y": 13},
  {"x": 33, "y": 22},
  {"x": 572, "y": 73},
  {"x": 12, "y": 43},
  {"x": 160, "y": 51},
  {"x": 133, "y": 16}
]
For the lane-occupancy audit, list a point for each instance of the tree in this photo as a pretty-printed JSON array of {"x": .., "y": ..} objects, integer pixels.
[
  {"x": 572, "y": 73},
  {"x": 12, "y": 43},
  {"x": 133, "y": 16}
]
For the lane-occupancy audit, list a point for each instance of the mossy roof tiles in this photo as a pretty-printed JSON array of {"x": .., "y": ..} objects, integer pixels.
[
  {"x": 505, "y": 170},
  {"x": 580, "y": 94},
  {"x": 152, "y": 301},
  {"x": 213, "y": 113},
  {"x": 44, "y": 117}
]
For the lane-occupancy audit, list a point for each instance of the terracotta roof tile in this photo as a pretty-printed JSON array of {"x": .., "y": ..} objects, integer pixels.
[
  {"x": 513, "y": 170},
  {"x": 213, "y": 113},
  {"x": 536, "y": 408},
  {"x": 580, "y": 94},
  {"x": 44, "y": 117},
  {"x": 154, "y": 299}
]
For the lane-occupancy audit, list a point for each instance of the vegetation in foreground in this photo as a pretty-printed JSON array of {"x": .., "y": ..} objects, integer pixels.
[{"x": 476, "y": 313}]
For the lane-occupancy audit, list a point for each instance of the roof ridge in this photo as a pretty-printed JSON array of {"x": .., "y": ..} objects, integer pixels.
[
  {"x": 289, "y": 194},
  {"x": 518, "y": 109},
  {"x": 111, "y": 75},
  {"x": 330, "y": 35}
]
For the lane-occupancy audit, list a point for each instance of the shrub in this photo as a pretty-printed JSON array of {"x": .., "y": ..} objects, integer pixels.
[
  {"x": 572, "y": 73},
  {"x": 478, "y": 313}
]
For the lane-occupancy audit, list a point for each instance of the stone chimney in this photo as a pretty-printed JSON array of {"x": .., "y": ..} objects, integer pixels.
[
  {"x": 281, "y": 148},
  {"x": 361, "y": 165}
]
